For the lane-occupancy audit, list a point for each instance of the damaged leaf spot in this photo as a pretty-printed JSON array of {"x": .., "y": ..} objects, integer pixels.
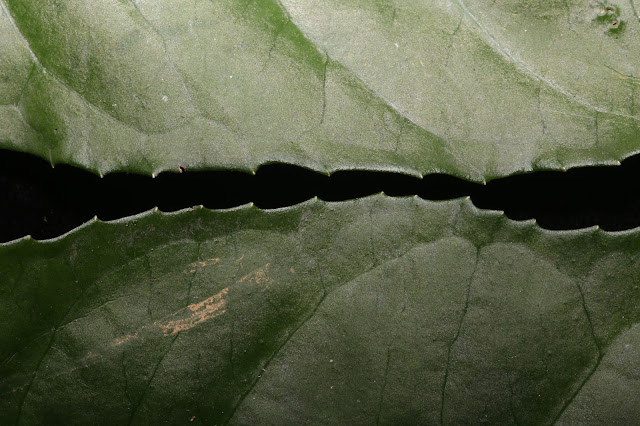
[
  {"x": 191, "y": 268},
  {"x": 195, "y": 314},
  {"x": 609, "y": 15},
  {"x": 259, "y": 276},
  {"x": 125, "y": 339}
]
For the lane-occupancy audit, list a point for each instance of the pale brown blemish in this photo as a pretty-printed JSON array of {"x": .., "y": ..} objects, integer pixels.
[
  {"x": 208, "y": 262},
  {"x": 83, "y": 364},
  {"x": 124, "y": 339},
  {"x": 259, "y": 276},
  {"x": 195, "y": 314},
  {"x": 293, "y": 271},
  {"x": 14, "y": 390},
  {"x": 90, "y": 355},
  {"x": 238, "y": 260},
  {"x": 191, "y": 268},
  {"x": 187, "y": 318}
]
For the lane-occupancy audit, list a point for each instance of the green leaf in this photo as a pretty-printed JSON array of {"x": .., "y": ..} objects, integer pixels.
[
  {"x": 377, "y": 310},
  {"x": 473, "y": 88}
]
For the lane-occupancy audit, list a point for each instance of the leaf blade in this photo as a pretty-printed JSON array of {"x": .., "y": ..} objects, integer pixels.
[
  {"x": 379, "y": 308},
  {"x": 323, "y": 85}
]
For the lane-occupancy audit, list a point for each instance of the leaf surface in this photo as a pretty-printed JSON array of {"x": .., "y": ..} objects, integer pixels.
[
  {"x": 472, "y": 88},
  {"x": 377, "y": 310}
]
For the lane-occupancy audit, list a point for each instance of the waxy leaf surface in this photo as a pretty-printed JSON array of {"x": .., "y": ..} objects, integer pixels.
[
  {"x": 472, "y": 88},
  {"x": 378, "y": 310}
]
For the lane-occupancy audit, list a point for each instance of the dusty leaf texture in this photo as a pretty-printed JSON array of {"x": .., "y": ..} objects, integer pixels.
[{"x": 473, "y": 88}]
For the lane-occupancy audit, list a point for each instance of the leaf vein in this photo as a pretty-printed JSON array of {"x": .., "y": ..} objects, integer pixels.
[
  {"x": 504, "y": 52},
  {"x": 457, "y": 335},
  {"x": 593, "y": 370},
  {"x": 323, "y": 297}
]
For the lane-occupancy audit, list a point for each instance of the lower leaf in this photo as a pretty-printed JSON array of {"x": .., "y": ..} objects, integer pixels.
[{"x": 378, "y": 310}]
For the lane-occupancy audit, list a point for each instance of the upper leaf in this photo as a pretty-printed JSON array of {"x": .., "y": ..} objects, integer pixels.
[{"x": 472, "y": 88}]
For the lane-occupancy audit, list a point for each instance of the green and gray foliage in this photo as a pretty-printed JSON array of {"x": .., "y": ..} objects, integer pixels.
[{"x": 376, "y": 310}]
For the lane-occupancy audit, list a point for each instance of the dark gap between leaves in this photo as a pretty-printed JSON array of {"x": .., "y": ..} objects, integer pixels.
[{"x": 44, "y": 202}]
